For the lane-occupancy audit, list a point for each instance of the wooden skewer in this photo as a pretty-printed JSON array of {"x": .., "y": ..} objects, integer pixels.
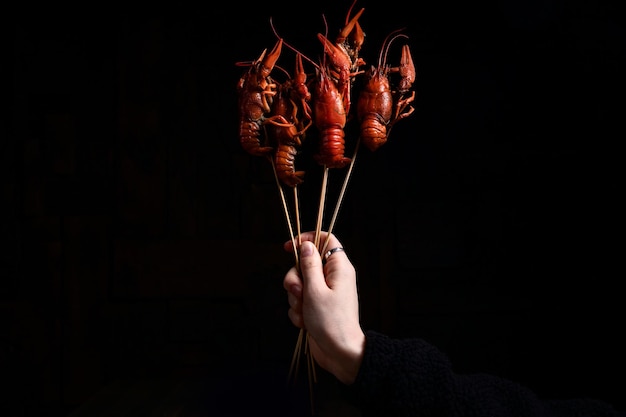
[
  {"x": 286, "y": 210},
  {"x": 311, "y": 360},
  {"x": 297, "y": 210},
  {"x": 341, "y": 194},
  {"x": 295, "y": 359},
  {"x": 320, "y": 211},
  {"x": 302, "y": 335},
  {"x": 311, "y": 374}
]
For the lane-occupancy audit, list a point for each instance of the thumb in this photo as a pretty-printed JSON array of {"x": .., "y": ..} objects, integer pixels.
[{"x": 311, "y": 266}]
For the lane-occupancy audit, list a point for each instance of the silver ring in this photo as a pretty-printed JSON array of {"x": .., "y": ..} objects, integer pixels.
[{"x": 330, "y": 252}]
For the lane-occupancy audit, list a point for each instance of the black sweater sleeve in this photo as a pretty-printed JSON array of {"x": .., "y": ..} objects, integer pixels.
[{"x": 409, "y": 377}]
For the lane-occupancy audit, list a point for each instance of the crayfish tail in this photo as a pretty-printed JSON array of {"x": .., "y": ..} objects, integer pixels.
[
  {"x": 291, "y": 179},
  {"x": 373, "y": 143},
  {"x": 336, "y": 162}
]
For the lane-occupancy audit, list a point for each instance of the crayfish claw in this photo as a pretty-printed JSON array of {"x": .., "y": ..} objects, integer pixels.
[
  {"x": 267, "y": 62},
  {"x": 351, "y": 25},
  {"x": 407, "y": 70}
]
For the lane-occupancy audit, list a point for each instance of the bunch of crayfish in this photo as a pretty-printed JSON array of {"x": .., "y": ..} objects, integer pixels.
[{"x": 274, "y": 116}]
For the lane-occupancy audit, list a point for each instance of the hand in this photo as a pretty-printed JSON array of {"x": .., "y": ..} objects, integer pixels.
[{"x": 323, "y": 299}]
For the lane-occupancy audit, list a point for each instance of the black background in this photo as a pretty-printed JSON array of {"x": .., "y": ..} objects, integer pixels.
[{"x": 142, "y": 245}]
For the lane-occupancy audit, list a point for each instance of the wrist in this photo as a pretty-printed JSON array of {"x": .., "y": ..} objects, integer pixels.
[{"x": 350, "y": 358}]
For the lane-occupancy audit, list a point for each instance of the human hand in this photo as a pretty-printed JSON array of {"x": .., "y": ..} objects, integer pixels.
[{"x": 323, "y": 299}]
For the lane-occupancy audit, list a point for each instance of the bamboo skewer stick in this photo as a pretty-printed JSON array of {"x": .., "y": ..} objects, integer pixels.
[
  {"x": 311, "y": 374},
  {"x": 320, "y": 211},
  {"x": 295, "y": 359},
  {"x": 297, "y": 210},
  {"x": 341, "y": 194},
  {"x": 311, "y": 360},
  {"x": 286, "y": 210},
  {"x": 295, "y": 362},
  {"x": 298, "y": 348},
  {"x": 303, "y": 336}
]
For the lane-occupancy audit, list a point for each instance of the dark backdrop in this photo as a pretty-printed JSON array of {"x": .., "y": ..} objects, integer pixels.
[{"x": 141, "y": 267}]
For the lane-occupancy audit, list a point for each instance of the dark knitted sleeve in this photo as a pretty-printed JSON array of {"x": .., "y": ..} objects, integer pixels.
[{"x": 410, "y": 377}]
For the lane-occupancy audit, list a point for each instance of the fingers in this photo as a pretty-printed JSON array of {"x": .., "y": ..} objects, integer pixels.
[
  {"x": 293, "y": 284},
  {"x": 311, "y": 266},
  {"x": 295, "y": 301},
  {"x": 296, "y": 318},
  {"x": 310, "y": 237},
  {"x": 307, "y": 236},
  {"x": 295, "y": 309},
  {"x": 309, "y": 276}
]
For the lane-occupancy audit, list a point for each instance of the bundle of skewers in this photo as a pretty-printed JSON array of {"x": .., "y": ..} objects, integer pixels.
[{"x": 279, "y": 111}]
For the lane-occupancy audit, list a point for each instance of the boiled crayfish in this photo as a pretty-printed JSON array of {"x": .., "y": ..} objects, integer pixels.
[
  {"x": 379, "y": 107},
  {"x": 332, "y": 92},
  {"x": 256, "y": 90},
  {"x": 286, "y": 127}
]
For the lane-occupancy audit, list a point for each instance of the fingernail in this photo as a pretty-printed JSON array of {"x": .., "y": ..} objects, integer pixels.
[{"x": 306, "y": 249}]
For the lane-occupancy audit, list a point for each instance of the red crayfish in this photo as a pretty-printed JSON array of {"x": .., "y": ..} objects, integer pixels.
[
  {"x": 332, "y": 90},
  {"x": 284, "y": 126},
  {"x": 378, "y": 107},
  {"x": 256, "y": 90}
]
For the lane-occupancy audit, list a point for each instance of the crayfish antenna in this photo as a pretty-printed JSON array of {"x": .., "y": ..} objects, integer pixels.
[
  {"x": 288, "y": 45},
  {"x": 384, "y": 52}
]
